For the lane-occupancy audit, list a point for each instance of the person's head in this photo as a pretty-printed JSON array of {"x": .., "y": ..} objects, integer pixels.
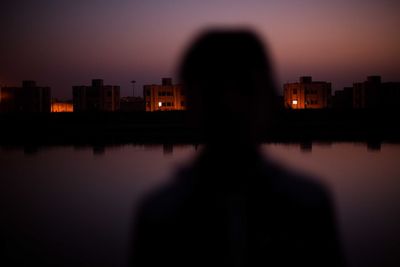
[{"x": 230, "y": 86}]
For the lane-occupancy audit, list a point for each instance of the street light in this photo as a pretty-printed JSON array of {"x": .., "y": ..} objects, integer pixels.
[{"x": 133, "y": 87}]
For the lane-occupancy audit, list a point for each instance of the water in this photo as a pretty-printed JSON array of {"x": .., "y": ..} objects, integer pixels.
[{"x": 75, "y": 206}]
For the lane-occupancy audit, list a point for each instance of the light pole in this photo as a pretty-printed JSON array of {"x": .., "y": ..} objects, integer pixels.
[{"x": 133, "y": 87}]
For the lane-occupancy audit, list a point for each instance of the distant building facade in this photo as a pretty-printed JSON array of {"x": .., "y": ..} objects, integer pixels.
[
  {"x": 307, "y": 94},
  {"x": 61, "y": 106},
  {"x": 132, "y": 104},
  {"x": 343, "y": 99},
  {"x": 98, "y": 97},
  {"x": 28, "y": 98},
  {"x": 164, "y": 97},
  {"x": 373, "y": 93}
]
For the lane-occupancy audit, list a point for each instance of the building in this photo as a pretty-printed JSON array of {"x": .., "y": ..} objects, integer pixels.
[
  {"x": 132, "y": 104},
  {"x": 373, "y": 93},
  {"x": 61, "y": 106},
  {"x": 164, "y": 97},
  {"x": 28, "y": 98},
  {"x": 98, "y": 97},
  {"x": 366, "y": 94},
  {"x": 0, "y": 99},
  {"x": 343, "y": 99},
  {"x": 307, "y": 94}
]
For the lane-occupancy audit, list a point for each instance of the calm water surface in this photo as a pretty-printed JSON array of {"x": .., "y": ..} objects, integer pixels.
[{"x": 75, "y": 206}]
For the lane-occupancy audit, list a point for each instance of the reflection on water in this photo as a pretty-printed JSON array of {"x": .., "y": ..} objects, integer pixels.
[
  {"x": 75, "y": 204},
  {"x": 168, "y": 148}
]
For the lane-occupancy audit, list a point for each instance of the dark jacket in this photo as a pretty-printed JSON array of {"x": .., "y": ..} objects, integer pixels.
[{"x": 228, "y": 212}]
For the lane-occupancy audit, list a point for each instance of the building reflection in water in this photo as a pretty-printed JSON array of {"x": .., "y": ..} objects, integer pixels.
[{"x": 168, "y": 148}]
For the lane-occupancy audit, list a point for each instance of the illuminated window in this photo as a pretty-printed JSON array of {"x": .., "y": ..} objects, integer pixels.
[
  {"x": 159, "y": 104},
  {"x": 294, "y": 102}
]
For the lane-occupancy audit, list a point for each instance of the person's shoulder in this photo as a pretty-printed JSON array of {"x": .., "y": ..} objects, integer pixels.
[
  {"x": 166, "y": 200},
  {"x": 296, "y": 185}
]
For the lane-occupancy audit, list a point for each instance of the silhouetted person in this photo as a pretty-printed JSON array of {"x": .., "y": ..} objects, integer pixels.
[{"x": 232, "y": 207}]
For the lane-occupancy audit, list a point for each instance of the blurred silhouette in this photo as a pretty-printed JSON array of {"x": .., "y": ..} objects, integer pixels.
[{"x": 232, "y": 207}]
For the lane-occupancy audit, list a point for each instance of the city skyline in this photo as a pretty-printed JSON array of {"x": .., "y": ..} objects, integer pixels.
[
  {"x": 138, "y": 92},
  {"x": 372, "y": 93},
  {"x": 60, "y": 44}
]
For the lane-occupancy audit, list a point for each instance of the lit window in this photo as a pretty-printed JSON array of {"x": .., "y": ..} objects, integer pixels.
[
  {"x": 294, "y": 102},
  {"x": 159, "y": 104}
]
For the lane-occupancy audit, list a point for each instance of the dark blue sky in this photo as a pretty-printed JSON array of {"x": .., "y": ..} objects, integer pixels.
[{"x": 64, "y": 43}]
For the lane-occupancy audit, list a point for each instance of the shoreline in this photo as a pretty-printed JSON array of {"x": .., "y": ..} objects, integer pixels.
[{"x": 118, "y": 128}]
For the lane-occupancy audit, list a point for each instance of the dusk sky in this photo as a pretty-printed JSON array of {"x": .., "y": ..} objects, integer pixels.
[{"x": 64, "y": 43}]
